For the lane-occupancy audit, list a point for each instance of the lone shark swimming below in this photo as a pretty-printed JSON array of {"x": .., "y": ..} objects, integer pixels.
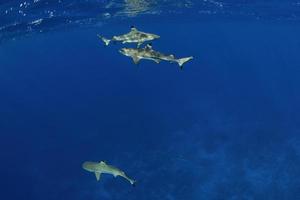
[
  {"x": 102, "y": 168},
  {"x": 148, "y": 53},
  {"x": 134, "y": 36}
]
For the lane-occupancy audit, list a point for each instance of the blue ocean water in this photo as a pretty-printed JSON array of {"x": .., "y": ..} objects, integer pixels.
[{"x": 224, "y": 127}]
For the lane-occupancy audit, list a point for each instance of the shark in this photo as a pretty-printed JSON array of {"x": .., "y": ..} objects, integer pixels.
[
  {"x": 102, "y": 168},
  {"x": 134, "y": 36},
  {"x": 148, "y": 53}
]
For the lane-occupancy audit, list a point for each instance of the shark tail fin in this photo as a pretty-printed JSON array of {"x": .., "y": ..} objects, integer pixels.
[
  {"x": 181, "y": 61},
  {"x": 133, "y": 183},
  {"x": 105, "y": 40}
]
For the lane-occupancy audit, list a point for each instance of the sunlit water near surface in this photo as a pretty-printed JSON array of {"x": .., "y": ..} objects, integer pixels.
[
  {"x": 225, "y": 127},
  {"x": 20, "y": 18}
]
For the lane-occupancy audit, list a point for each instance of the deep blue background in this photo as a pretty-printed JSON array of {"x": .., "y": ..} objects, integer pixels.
[{"x": 226, "y": 127}]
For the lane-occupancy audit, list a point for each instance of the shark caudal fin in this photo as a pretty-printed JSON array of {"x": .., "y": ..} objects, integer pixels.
[
  {"x": 181, "y": 61},
  {"x": 105, "y": 40},
  {"x": 133, "y": 183}
]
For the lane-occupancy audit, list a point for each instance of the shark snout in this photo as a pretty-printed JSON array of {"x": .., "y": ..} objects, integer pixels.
[
  {"x": 122, "y": 51},
  {"x": 88, "y": 166},
  {"x": 156, "y": 36},
  {"x": 125, "y": 51},
  {"x": 85, "y": 165}
]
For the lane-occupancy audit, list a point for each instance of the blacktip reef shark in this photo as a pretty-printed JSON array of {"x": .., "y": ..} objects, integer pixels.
[
  {"x": 102, "y": 168},
  {"x": 148, "y": 53},
  {"x": 134, "y": 36}
]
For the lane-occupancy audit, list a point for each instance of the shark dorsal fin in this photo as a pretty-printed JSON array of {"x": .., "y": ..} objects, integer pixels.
[
  {"x": 149, "y": 46},
  {"x": 98, "y": 175},
  {"x": 132, "y": 28}
]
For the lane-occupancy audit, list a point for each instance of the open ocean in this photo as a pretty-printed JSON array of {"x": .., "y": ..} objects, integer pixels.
[{"x": 225, "y": 127}]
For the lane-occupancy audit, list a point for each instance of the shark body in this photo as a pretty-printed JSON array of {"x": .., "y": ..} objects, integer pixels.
[
  {"x": 148, "y": 53},
  {"x": 134, "y": 36},
  {"x": 102, "y": 168}
]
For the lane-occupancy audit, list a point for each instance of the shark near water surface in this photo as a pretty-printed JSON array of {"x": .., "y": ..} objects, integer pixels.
[{"x": 134, "y": 36}]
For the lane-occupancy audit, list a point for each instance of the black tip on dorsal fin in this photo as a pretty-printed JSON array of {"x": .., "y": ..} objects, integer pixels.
[
  {"x": 133, "y": 28},
  {"x": 149, "y": 46}
]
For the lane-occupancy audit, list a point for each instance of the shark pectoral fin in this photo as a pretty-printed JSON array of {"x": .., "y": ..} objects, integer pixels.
[
  {"x": 98, "y": 175},
  {"x": 136, "y": 60},
  {"x": 157, "y": 61}
]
